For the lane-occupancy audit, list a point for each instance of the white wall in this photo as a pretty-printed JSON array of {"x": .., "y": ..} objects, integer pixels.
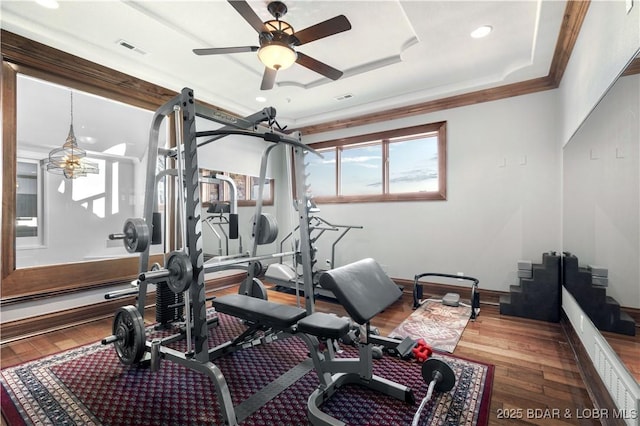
[
  {"x": 503, "y": 197},
  {"x": 601, "y": 196},
  {"x": 608, "y": 39}
]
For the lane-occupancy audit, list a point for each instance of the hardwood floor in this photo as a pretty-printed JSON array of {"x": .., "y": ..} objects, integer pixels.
[{"x": 536, "y": 376}]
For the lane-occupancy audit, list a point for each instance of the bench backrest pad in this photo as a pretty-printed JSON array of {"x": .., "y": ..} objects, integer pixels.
[{"x": 362, "y": 287}]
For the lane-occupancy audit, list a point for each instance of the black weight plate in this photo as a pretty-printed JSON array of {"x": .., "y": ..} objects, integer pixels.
[
  {"x": 431, "y": 366},
  {"x": 128, "y": 327}
]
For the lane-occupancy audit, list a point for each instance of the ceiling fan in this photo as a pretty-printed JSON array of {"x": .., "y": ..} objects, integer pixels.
[{"x": 277, "y": 41}]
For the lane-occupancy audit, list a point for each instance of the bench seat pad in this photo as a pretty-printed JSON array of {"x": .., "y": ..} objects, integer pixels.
[
  {"x": 259, "y": 311},
  {"x": 324, "y": 325}
]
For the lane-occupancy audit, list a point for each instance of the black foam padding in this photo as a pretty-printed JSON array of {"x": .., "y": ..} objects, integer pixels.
[
  {"x": 405, "y": 347},
  {"x": 362, "y": 288},
  {"x": 233, "y": 226},
  {"x": 156, "y": 228},
  {"x": 324, "y": 325},
  {"x": 259, "y": 311}
]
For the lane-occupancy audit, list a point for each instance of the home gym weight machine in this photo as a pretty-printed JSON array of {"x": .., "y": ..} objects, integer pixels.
[
  {"x": 286, "y": 276},
  {"x": 184, "y": 268},
  {"x": 217, "y": 211}
]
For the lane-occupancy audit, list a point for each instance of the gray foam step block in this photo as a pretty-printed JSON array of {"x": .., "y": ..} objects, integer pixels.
[
  {"x": 524, "y": 265},
  {"x": 599, "y": 271},
  {"x": 601, "y": 281},
  {"x": 522, "y": 273}
]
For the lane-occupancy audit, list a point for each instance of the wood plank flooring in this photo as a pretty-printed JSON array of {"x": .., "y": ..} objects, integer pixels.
[{"x": 536, "y": 376}]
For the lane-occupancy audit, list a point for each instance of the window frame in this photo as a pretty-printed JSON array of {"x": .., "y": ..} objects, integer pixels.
[
  {"x": 386, "y": 138},
  {"x": 251, "y": 202}
]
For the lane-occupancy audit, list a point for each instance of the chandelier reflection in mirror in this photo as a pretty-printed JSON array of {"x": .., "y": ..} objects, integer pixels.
[{"x": 70, "y": 160}]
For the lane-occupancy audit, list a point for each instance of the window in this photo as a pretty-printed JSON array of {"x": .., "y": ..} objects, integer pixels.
[
  {"x": 398, "y": 165},
  {"x": 246, "y": 186},
  {"x": 60, "y": 220},
  {"x": 361, "y": 169}
]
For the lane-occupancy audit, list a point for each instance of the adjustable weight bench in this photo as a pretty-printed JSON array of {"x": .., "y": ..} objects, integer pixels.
[{"x": 364, "y": 290}]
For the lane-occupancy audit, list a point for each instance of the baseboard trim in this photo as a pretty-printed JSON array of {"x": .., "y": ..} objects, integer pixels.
[
  {"x": 595, "y": 386},
  {"x": 33, "y": 326}
]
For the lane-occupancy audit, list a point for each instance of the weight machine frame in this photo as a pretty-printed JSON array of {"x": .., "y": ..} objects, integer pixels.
[
  {"x": 321, "y": 225},
  {"x": 199, "y": 356}
]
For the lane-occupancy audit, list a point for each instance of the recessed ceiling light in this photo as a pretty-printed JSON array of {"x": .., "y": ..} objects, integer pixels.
[
  {"x": 49, "y": 4},
  {"x": 482, "y": 31},
  {"x": 261, "y": 99}
]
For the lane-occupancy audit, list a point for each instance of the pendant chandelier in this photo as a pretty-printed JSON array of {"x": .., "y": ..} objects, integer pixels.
[{"x": 70, "y": 160}]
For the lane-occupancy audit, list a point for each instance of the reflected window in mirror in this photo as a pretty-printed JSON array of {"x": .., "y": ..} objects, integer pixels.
[
  {"x": 266, "y": 189},
  {"x": 241, "y": 185},
  {"x": 29, "y": 204},
  {"x": 247, "y": 188}
]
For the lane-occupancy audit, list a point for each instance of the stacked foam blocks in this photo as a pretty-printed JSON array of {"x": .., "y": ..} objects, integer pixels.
[
  {"x": 537, "y": 296},
  {"x": 588, "y": 285}
]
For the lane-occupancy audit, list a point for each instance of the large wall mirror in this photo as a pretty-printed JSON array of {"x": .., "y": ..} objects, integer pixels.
[
  {"x": 55, "y": 227},
  {"x": 601, "y": 199},
  {"x": 62, "y": 217},
  {"x": 56, "y": 220}
]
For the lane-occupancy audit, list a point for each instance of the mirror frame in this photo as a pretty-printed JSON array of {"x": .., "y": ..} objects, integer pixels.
[{"x": 24, "y": 56}]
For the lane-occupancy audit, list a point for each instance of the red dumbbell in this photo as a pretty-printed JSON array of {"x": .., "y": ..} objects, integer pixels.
[{"x": 422, "y": 351}]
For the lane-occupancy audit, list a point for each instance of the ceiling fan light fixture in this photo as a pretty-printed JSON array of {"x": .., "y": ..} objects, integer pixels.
[
  {"x": 277, "y": 56},
  {"x": 279, "y": 26}
]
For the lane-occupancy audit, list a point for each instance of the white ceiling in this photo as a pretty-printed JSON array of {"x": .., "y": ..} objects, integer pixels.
[{"x": 397, "y": 53}]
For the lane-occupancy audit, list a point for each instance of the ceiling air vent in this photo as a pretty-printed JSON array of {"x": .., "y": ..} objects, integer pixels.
[
  {"x": 130, "y": 46},
  {"x": 343, "y": 97}
]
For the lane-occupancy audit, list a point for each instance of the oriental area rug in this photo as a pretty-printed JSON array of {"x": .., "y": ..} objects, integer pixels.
[
  {"x": 89, "y": 386},
  {"x": 440, "y": 326}
]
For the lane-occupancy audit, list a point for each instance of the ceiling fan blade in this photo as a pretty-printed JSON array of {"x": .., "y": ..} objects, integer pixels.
[
  {"x": 319, "y": 67},
  {"x": 222, "y": 50},
  {"x": 243, "y": 8},
  {"x": 323, "y": 29},
  {"x": 268, "y": 79}
]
